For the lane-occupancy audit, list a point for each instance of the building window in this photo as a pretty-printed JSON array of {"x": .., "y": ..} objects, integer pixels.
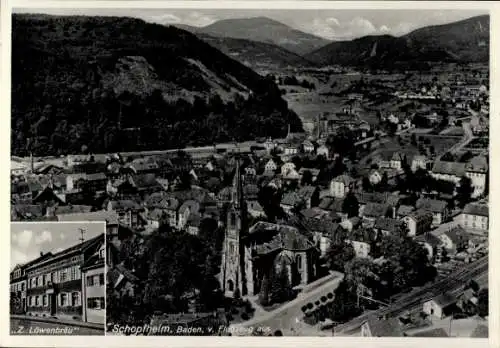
[
  {"x": 40, "y": 281},
  {"x": 75, "y": 299},
  {"x": 63, "y": 276},
  {"x": 45, "y": 301},
  {"x": 101, "y": 279},
  {"x": 37, "y": 301},
  {"x": 95, "y": 303},
  {"x": 101, "y": 254},
  {"x": 22, "y": 287},
  {"x": 298, "y": 260},
  {"x": 64, "y": 299},
  {"x": 90, "y": 281}
]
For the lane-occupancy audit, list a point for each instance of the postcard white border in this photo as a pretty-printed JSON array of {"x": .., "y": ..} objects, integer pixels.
[{"x": 118, "y": 341}]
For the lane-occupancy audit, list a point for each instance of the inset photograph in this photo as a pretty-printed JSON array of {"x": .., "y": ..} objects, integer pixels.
[{"x": 57, "y": 282}]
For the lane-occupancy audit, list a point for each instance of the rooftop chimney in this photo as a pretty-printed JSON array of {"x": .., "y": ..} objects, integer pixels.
[{"x": 41, "y": 253}]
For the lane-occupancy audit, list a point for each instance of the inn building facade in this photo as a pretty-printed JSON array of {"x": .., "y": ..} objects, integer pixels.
[{"x": 54, "y": 285}]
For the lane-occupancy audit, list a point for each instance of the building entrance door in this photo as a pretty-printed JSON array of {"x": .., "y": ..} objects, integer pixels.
[{"x": 53, "y": 304}]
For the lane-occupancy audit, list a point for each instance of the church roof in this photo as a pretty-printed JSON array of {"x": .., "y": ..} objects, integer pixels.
[{"x": 285, "y": 238}]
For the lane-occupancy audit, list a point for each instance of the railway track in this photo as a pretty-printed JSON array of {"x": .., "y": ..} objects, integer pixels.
[{"x": 452, "y": 282}]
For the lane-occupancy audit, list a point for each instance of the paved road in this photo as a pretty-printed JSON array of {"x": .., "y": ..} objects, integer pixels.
[
  {"x": 30, "y": 327},
  {"x": 286, "y": 316}
]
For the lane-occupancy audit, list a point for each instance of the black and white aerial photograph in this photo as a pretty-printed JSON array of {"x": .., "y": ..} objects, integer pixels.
[
  {"x": 57, "y": 278},
  {"x": 259, "y": 172}
]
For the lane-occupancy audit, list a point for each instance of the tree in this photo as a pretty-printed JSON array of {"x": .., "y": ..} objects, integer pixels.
[
  {"x": 464, "y": 191},
  {"x": 280, "y": 285},
  {"x": 350, "y": 205},
  {"x": 264, "y": 291},
  {"x": 338, "y": 255},
  {"x": 344, "y": 305},
  {"x": 483, "y": 303},
  {"x": 307, "y": 178}
]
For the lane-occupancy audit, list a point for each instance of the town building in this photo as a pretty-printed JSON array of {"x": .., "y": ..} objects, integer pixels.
[
  {"x": 341, "y": 185},
  {"x": 475, "y": 217},
  {"x": 382, "y": 327},
  {"x": 438, "y": 208},
  {"x": 54, "y": 284},
  {"x": 440, "y": 306},
  {"x": 18, "y": 281},
  {"x": 418, "y": 222},
  {"x": 477, "y": 170},
  {"x": 94, "y": 287}
]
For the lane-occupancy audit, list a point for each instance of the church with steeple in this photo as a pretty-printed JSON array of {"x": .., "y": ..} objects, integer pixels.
[{"x": 249, "y": 254}]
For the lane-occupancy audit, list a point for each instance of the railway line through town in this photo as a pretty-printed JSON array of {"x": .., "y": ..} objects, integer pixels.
[{"x": 413, "y": 300}]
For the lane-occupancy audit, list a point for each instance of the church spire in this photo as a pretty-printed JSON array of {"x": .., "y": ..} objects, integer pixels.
[{"x": 237, "y": 191}]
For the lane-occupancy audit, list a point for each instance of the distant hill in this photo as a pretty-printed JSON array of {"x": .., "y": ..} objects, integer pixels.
[
  {"x": 463, "y": 41},
  {"x": 256, "y": 54},
  {"x": 108, "y": 84},
  {"x": 262, "y": 29}
]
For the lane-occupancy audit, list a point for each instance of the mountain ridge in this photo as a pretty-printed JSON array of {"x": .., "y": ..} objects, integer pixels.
[
  {"x": 83, "y": 81},
  {"x": 456, "y": 41}
]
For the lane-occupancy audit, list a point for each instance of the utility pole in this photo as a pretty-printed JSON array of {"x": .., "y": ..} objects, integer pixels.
[{"x": 82, "y": 233}]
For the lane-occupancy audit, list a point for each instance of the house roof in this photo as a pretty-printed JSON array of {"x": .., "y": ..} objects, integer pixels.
[
  {"x": 110, "y": 217},
  {"x": 125, "y": 204},
  {"x": 481, "y": 331},
  {"x": 313, "y": 171},
  {"x": 438, "y": 332},
  {"x": 428, "y": 238},
  {"x": 476, "y": 209},
  {"x": 284, "y": 237},
  {"x": 27, "y": 211},
  {"x": 449, "y": 168},
  {"x": 445, "y": 300},
  {"x": 345, "y": 179},
  {"x": 96, "y": 176},
  {"x": 405, "y": 210},
  {"x": 307, "y": 192},
  {"x": 331, "y": 204},
  {"x": 68, "y": 209},
  {"x": 457, "y": 234},
  {"x": 477, "y": 164},
  {"x": 421, "y": 215},
  {"x": 375, "y": 209},
  {"x": 385, "y": 327},
  {"x": 291, "y": 198},
  {"x": 145, "y": 180},
  {"x": 432, "y": 205},
  {"x": 80, "y": 246},
  {"x": 193, "y": 206},
  {"x": 388, "y": 224}
]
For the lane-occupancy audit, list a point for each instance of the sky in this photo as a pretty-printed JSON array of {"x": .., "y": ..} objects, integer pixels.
[
  {"x": 330, "y": 24},
  {"x": 29, "y": 239}
]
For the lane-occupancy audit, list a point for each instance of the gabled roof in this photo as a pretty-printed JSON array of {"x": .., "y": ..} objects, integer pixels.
[
  {"x": 388, "y": 224},
  {"x": 432, "y": 205},
  {"x": 110, "y": 217},
  {"x": 445, "y": 300},
  {"x": 428, "y": 238},
  {"x": 405, "y": 210},
  {"x": 375, "y": 209},
  {"x": 291, "y": 198},
  {"x": 449, "y": 168},
  {"x": 421, "y": 215},
  {"x": 457, "y": 235},
  {"x": 307, "y": 192},
  {"x": 385, "y": 327},
  {"x": 345, "y": 179},
  {"x": 476, "y": 209},
  {"x": 125, "y": 204},
  {"x": 477, "y": 164}
]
